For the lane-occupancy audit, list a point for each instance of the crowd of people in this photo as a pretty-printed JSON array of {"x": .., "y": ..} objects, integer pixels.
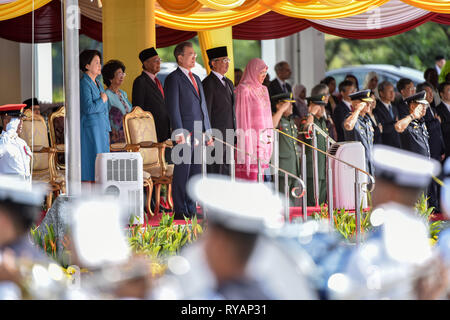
[{"x": 405, "y": 135}]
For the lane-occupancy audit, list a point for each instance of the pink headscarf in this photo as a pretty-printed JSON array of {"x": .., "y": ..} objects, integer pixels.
[{"x": 253, "y": 115}]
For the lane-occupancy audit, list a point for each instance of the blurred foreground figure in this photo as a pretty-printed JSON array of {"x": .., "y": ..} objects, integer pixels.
[
  {"x": 114, "y": 272},
  {"x": 236, "y": 258},
  {"x": 397, "y": 260},
  {"x": 24, "y": 269}
]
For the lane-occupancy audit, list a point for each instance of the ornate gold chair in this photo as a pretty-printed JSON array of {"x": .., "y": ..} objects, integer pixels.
[
  {"x": 56, "y": 126},
  {"x": 35, "y": 134},
  {"x": 140, "y": 135}
]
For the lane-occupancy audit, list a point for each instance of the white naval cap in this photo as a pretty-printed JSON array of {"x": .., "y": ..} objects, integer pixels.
[
  {"x": 247, "y": 207},
  {"x": 404, "y": 168},
  {"x": 19, "y": 191}
]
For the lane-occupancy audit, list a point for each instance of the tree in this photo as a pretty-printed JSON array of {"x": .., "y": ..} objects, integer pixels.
[{"x": 416, "y": 48}]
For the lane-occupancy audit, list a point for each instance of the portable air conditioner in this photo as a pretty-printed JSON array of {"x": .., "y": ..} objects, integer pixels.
[
  {"x": 344, "y": 176},
  {"x": 119, "y": 174}
]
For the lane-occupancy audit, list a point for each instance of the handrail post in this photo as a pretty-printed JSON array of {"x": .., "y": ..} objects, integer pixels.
[
  {"x": 276, "y": 160},
  {"x": 260, "y": 172},
  {"x": 330, "y": 185},
  {"x": 304, "y": 177},
  {"x": 204, "y": 210},
  {"x": 286, "y": 195},
  {"x": 232, "y": 164},
  {"x": 315, "y": 168},
  {"x": 357, "y": 207},
  {"x": 204, "y": 156}
]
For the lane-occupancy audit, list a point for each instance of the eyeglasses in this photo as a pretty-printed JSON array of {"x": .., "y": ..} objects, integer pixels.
[
  {"x": 192, "y": 54},
  {"x": 121, "y": 74},
  {"x": 224, "y": 60},
  {"x": 159, "y": 60}
]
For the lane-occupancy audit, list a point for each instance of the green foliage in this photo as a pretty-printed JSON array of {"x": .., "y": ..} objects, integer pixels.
[
  {"x": 48, "y": 243},
  {"x": 426, "y": 212},
  {"x": 415, "y": 48},
  {"x": 166, "y": 239},
  {"x": 345, "y": 222}
]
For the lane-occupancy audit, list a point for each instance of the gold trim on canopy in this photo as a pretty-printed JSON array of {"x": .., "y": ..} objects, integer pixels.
[
  {"x": 19, "y": 7},
  {"x": 222, "y": 4},
  {"x": 213, "y": 19},
  {"x": 180, "y": 7},
  {"x": 439, "y": 6},
  {"x": 323, "y": 9}
]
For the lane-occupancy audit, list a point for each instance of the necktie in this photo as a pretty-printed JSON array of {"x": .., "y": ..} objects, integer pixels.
[
  {"x": 194, "y": 83},
  {"x": 390, "y": 112},
  {"x": 284, "y": 87},
  {"x": 158, "y": 83}
]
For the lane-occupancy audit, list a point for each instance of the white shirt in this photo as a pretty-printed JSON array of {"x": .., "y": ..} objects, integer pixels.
[
  {"x": 220, "y": 76},
  {"x": 186, "y": 72},
  {"x": 388, "y": 106},
  {"x": 282, "y": 83},
  {"x": 438, "y": 69},
  {"x": 348, "y": 104},
  {"x": 15, "y": 155}
]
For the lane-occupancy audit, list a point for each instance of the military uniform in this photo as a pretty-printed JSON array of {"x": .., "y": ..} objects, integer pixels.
[
  {"x": 363, "y": 130},
  {"x": 321, "y": 163},
  {"x": 415, "y": 138},
  {"x": 15, "y": 155},
  {"x": 289, "y": 153},
  {"x": 364, "y": 133},
  {"x": 386, "y": 264}
]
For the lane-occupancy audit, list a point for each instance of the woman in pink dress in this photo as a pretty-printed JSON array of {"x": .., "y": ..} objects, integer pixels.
[{"x": 253, "y": 117}]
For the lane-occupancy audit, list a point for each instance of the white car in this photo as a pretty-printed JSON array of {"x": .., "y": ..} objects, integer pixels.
[
  {"x": 168, "y": 67},
  {"x": 385, "y": 72}
]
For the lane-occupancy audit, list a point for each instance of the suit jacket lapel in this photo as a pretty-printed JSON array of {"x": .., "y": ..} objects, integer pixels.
[
  {"x": 185, "y": 78},
  {"x": 152, "y": 84}
]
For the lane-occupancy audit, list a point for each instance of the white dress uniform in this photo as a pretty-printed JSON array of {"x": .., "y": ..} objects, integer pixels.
[
  {"x": 15, "y": 155},
  {"x": 389, "y": 262}
]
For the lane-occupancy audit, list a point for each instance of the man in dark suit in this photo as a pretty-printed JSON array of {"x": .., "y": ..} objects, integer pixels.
[
  {"x": 443, "y": 110},
  {"x": 406, "y": 89},
  {"x": 219, "y": 94},
  {"x": 148, "y": 93},
  {"x": 279, "y": 84},
  {"x": 343, "y": 108},
  {"x": 186, "y": 103},
  {"x": 387, "y": 114}
]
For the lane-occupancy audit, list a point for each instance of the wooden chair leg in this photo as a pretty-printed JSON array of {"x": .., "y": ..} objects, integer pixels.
[
  {"x": 49, "y": 200},
  {"x": 158, "y": 197},
  {"x": 149, "y": 186},
  {"x": 169, "y": 195}
]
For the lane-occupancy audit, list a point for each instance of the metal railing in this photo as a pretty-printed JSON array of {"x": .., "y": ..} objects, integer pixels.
[
  {"x": 232, "y": 162},
  {"x": 311, "y": 132}
]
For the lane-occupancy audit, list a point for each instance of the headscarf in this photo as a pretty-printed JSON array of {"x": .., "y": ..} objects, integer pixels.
[
  {"x": 300, "y": 103},
  {"x": 253, "y": 115}
]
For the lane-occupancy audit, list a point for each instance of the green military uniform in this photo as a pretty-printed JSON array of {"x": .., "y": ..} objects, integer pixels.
[
  {"x": 321, "y": 163},
  {"x": 289, "y": 153}
]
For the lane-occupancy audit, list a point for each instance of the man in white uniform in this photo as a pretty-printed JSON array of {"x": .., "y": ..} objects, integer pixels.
[{"x": 15, "y": 155}]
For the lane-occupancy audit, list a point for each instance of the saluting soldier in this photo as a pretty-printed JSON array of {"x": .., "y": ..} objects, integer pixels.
[
  {"x": 357, "y": 125},
  {"x": 316, "y": 115},
  {"x": 289, "y": 155},
  {"x": 412, "y": 128},
  {"x": 15, "y": 155}
]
